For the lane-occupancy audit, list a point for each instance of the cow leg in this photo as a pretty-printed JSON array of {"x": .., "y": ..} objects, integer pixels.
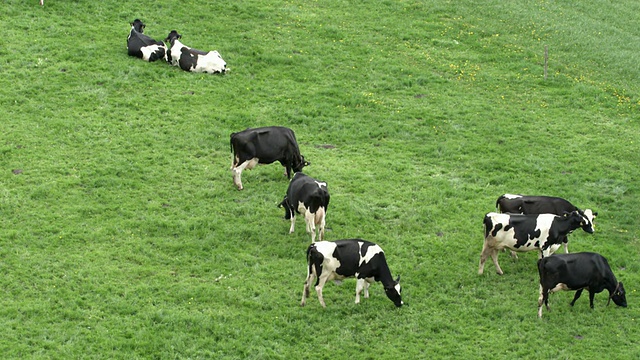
[
  {"x": 591, "y": 296},
  {"x": 237, "y": 171},
  {"x": 514, "y": 255},
  {"x": 366, "y": 289},
  {"x": 565, "y": 243},
  {"x": 360, "y": 285},
  {"x": 307, "y": 285},
  {"x": 293, "y": 222},
  {"x": 321, "y": 282},
  {"x": 542, "y": 299},
  {"x": 483, "y": 258},
  {"x": 494, "y": 257},
  {"x": 320, "y": 221},
  {"x": 575, "y": 297},
  {"x": 309, "y": 219}
]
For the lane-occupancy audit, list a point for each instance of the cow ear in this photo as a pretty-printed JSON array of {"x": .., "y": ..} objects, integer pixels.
[
  {"x": 595, "y": 214},
  {"x": 398, "y": 279}
]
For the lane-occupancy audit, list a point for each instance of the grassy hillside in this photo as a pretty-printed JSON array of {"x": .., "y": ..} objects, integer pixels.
[{"x": 122, "y": 235}]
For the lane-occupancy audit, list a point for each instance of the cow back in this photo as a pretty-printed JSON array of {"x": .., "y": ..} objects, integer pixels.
[
  {"x": 527, "y": 204},
  {"x": 309, "y": 191}
]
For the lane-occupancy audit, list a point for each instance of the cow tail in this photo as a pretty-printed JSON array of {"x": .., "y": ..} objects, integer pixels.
[
  {"x": 540, "y": 270},
  {"x": 487, "y": 225},
  {"x": 314, "y": 259},
  {"x": 498, "y": 203}
]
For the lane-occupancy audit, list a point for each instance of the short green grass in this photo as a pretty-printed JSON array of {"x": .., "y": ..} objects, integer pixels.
[{"x": 122, "y": 235}]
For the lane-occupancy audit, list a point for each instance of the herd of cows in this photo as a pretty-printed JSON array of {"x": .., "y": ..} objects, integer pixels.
[
  {"x": 524, "y": 223},
  {"x": 177, "y": 54}
]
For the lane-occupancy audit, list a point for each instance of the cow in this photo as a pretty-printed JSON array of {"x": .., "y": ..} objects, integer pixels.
[
  {"x": 337, "y": 260},
  {"x": 265, "y": 145},
  {"x": 521, "y": 204},
  {"x": 578, "y": 271},
  {"x": 309, "y": 197},
  {"x": 142, "y": 46},
  {"x": 193, "y": 60},
  {"x": 519, "y": 232}
]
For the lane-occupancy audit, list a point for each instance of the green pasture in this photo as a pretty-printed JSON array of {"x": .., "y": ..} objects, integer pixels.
[{"x": 122, "y": 235}]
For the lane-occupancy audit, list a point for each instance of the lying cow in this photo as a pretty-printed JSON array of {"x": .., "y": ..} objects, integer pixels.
[
  {"x": 142, "y": 46},
  {"x": 264, "y": 146},
  {"x": 518, "y": 232},
  {"x": 193, "y": 60},
  {"x": 519, "y": 204},
  {"x": 578, "y": 271},
  {"x": 309, "y": 197},
  {"x": 337, "y": 260}
]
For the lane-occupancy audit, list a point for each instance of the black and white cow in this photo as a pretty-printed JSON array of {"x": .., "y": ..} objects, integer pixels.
[
  {"x": 525, "y": 204},
  {"x": 193, "y": 60},
  {"x": 578, "y": 271},
  {"x": 337, "y": 260},
  {"x": 310, "y": 198},
  {"x": 142, "y": 46},
  {"x": 520, "y": 232},
  {"x": 265, "y": 145}
]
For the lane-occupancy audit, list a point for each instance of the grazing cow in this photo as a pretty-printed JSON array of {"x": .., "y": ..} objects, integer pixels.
[
  {"x": 337, "y": 260},
  {"x": 519, "y": 204},
  {"x": 264, "y": 146},
  {"x": 142, "y": 46},
  {"x": 578, "y": 271},
  {"x": 309, "y": 197},
  {"x": 193, "y": 60},
  {"x": 518, "y": 232}
]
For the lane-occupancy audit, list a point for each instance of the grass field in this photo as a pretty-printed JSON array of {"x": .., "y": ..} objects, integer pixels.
[{"x": 122, "y": 235}]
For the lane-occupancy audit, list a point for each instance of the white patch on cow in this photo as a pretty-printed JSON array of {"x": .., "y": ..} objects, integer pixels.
[
  {"x": 371, "y": 252},
  {"x": 330, "y": 263},
  {"x": 588, "y": 213},
  {"x": 210, "y": 63},
  {"x": 544, "y": 225},
  {"x": 253, "y": 163},
  {"x": 512, "y": 196},
  {"x": 560, "y": 287},
  {"x": 176, "y": 52},
  {"x": 321, "y": 184},
  {"x": 147, "y": 51}
]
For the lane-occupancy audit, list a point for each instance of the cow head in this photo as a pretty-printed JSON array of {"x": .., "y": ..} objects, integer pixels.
[
  {"x": 299, "y": 163},
  {"x": 138, "y": 25},
  {"x": 618, "y": 296},
  {"x": 173, "y": 36},
  {"x": 586, "y": 222},
  {"x": 578, "y": 219},
  {"x": 589, "y": 217},
  {"x": 393, "y": 293}
]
